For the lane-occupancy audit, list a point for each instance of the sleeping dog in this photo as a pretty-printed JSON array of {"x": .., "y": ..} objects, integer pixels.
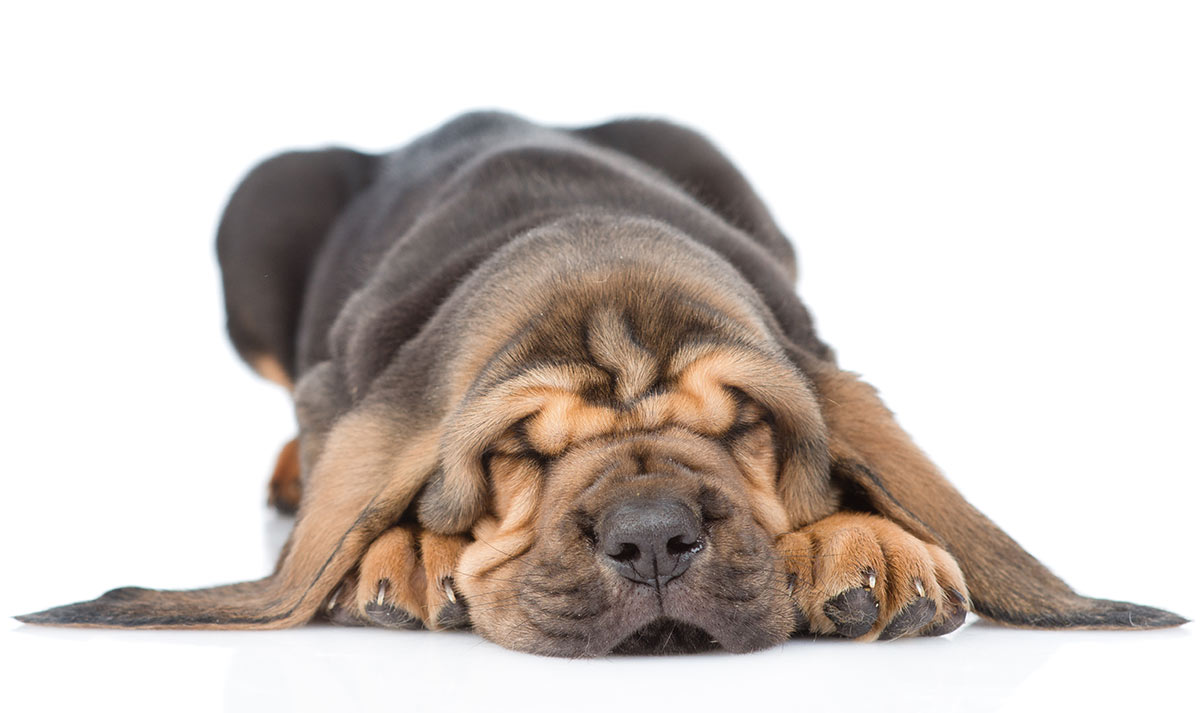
[{"x": 556, "y": 385}]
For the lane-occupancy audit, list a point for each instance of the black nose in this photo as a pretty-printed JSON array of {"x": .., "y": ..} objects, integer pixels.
[{"x": 649, "y": 541}]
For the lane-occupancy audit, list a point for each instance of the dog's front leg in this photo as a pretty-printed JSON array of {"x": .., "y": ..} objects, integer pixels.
[{"x": 405, "y": 581}]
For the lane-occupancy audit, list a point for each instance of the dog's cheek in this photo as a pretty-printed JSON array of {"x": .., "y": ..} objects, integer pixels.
[
  {"x": 493, "y": 600},
  {"x": 740, "y": 597}
]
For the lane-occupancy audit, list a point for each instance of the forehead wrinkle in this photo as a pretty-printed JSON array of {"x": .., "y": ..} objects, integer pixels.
[
  {"x": 666, "y": 444},
  {"x": 599, "y": 476},
  {"x": 564, "y": 418},
  {"x": 611, "y": 343},
  {"x": 505, "y": 334}
]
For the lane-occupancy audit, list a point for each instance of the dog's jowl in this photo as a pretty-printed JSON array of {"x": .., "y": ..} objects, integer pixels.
[{"x": 556, "y": 386}]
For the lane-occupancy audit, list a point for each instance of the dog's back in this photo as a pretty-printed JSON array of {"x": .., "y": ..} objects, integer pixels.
[{"x": 307, "y": 230}]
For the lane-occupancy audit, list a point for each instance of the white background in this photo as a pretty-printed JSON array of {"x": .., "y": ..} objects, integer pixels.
[{"x": 996, "y": 209}]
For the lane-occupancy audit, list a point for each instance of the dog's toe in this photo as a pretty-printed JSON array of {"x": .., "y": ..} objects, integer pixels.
[
  {"x": 453, "y": 612},
  {"x": 956, "y": 614},
  {"x": 853, "y": 612},
  {"x": 340, "y": 608},
  {"x": 381, "y": 613},
  {"x": 910, "y": 620}
]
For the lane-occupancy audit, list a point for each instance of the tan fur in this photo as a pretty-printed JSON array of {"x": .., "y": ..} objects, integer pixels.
[
  {"x": 840, "y": 552},
  {"x": 516, "y": 490},
  {"x": 391, "y": 572},
  {"x": 779, "y": 389},
  {"x": 559, "y": 417},
  {"x": 283, "y": 491},
  {"x": 405, "y": 568},
  {"x": 480, "y": 423},
  {"x": 565, "y": 419},
  {"x": 754, "y": 454},
  {"x": 492, "y": 548},
  {"x": 562, "y": 418},
  {"x": 559, "y": 422},
  {"x": 269, "y": 368},
  {"x": 440, "y": 555}
]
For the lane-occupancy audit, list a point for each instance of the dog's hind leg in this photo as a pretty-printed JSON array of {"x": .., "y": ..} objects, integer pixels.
[{"x": 283, "y": 491}]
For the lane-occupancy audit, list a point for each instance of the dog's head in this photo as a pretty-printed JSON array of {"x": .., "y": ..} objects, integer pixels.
[{"x": 625, "y": 466}]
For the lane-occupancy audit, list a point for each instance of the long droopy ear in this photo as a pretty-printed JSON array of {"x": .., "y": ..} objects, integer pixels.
[
  {"x": 361, "y": 484},
  {"x": 874, "y": 457}
]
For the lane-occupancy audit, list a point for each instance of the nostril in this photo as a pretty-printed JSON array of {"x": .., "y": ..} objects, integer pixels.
[
  {"x": 628, "y": 552},
  {"x": 679, "y": 545}
]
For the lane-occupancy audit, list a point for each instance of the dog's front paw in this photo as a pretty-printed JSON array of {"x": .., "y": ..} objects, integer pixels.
[
  {"x": 405, "y": 581},
  {"x": 863, "y": 577}
]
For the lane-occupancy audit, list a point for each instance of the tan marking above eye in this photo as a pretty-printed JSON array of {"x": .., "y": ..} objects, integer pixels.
[
  {"x": 542, "y": 410},
  {"x": 700, "y": 402},
  {"x": 566, "y": 418}
]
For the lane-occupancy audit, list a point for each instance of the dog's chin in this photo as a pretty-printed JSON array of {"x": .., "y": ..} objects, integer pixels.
[
  {"x": 673, "y": 622},
  {"x": 666, "y": 636},
  {"x": 660, "y": 637}
]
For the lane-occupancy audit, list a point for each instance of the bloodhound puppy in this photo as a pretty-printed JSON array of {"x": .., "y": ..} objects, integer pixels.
[{"x": 556, "y": 385}]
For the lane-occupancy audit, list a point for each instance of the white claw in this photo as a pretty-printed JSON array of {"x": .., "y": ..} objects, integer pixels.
[
  {"x": 449, "y": 592},
  {"x": 920, "y": 588},
  {"x": 379, "y": 597},
  {"x": 871, "y": 582}
]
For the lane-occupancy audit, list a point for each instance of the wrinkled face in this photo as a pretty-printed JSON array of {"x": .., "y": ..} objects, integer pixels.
[
  {"x": 645, "y": 523},
  {"x": 645, "y": 542}
]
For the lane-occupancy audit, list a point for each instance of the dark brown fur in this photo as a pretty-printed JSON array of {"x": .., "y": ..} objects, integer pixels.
[{"x": 501, "y": 330}]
